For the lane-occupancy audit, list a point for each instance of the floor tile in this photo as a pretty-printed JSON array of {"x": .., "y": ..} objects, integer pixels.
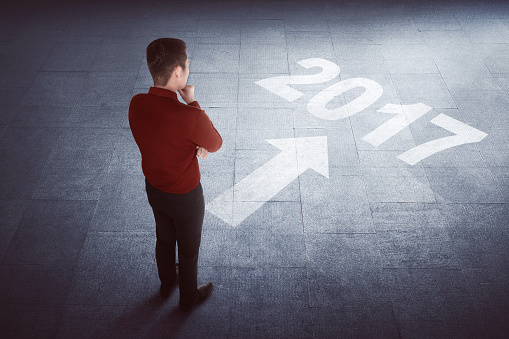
[
  {"x": 71, "y": 57},
  {"x": 130, "y": 259},
  {"x": 79, "y": 179},
  {"x": 60, "y": 89},
  {"x": 429, "y": 89},
  {"x": 35, "y": 284},
  {"x": 354, "y": 322},
  {"x": 267, "y": 249},
  {"x": 462, "y": 185},
  {"x": 346, "y": 269},
  {"x": 101, "y": 90},
  {"x": 264, "y": 300},
  {"x": 51, "y": 233},
  {"x": 30, "y": 320},
  {"x": 335, "y": 205},
  {"x": 117, "y": 57},
  {"x": 417, "y": 248},
  {"x": 122, "y": 205},
  {"x": 215, "y": 58},
  {"x": 11, "y": 212},
  {"x": 441, "y": 305},
  {"x": 219, "y": 31}
]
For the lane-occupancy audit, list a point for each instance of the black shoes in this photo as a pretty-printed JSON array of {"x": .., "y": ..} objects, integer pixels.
[{"x": 202, "y": 294}]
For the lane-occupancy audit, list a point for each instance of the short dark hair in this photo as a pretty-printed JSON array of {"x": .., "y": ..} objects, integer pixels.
[{"x": 163, "y": 56}]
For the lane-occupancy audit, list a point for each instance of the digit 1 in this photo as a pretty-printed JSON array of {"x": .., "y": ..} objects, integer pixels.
[
  {"x": 279, "y": 84},
  {"x": 316, "y": 104},
  {"x": 464, "y": 134},
  {"x": 406, "y": 114}
]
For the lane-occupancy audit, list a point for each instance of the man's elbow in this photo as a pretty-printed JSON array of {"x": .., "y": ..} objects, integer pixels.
[{"x": 216, "y": 145}]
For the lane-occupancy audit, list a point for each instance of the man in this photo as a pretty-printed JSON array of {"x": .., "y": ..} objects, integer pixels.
[{"x": 170, "y": 135}]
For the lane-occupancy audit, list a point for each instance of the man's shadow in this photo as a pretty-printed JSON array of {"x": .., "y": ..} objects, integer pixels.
[{"x": 155, "y": 318}]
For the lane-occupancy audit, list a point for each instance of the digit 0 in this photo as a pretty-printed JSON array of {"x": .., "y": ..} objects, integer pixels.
[{"x": 373, "y": 92}]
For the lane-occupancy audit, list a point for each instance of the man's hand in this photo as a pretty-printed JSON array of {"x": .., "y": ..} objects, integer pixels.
[
  {"x": 187, "y": 93},
  {"x": 202, "y": 152}
]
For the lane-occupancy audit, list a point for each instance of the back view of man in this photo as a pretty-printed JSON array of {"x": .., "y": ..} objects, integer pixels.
[{"x": 170, "y": 135}]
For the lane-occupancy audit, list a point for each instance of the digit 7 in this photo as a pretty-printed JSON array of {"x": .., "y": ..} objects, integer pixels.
[{"x": 464, "y": 134}]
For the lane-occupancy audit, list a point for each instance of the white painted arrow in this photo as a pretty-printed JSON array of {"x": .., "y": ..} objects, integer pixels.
[{"x": 244, "y": 198}]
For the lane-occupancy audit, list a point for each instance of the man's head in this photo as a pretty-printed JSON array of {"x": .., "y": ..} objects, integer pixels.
[{"x": 167, "y": 57}]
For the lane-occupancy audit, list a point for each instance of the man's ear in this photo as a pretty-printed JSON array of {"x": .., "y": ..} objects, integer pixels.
[{"x": 177, "y": 72}]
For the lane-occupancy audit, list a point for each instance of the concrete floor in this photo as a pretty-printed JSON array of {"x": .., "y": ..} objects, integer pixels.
[{"x": 367, "y": 240}]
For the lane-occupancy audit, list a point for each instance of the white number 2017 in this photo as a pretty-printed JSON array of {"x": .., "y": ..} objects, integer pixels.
[{"x": 405, "y": 114}]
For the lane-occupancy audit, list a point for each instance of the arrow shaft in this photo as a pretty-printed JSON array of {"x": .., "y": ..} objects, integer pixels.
[
  {"x": 268, "y": 180},
  {"x": 245, "y": 197},
  {"x": 248, "y": 195}
]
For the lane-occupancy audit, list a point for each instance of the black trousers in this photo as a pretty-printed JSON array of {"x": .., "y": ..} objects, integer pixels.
[{"x": 179, "y": 220}]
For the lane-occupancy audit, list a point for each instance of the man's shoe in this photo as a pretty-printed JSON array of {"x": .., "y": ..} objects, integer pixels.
[{"x": 202, "y": 294}]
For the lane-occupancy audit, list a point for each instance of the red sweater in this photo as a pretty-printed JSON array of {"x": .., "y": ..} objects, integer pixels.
[{"x": 167, "y": 133}]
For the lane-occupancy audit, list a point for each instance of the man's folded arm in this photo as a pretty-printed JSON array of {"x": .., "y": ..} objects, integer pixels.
[{"x": 205, "y": 134}]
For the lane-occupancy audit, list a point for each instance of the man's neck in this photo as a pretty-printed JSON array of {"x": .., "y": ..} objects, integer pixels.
[
  {"x": 171, "y": 86},
  {"x": 165, "y": 87}
]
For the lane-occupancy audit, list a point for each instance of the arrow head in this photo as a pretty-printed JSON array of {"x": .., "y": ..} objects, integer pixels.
[{"x": 311, "y": 152}]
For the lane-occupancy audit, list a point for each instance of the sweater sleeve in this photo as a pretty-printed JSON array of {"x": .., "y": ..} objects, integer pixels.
[{"x": 205, "y": 134}]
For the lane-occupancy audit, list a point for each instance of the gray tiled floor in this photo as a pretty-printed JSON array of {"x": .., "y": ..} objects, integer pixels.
[{"x": 379, "y": 248}]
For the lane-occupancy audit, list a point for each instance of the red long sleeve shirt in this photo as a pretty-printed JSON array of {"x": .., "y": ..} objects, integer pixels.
[{"x": 167, "y": 133}]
